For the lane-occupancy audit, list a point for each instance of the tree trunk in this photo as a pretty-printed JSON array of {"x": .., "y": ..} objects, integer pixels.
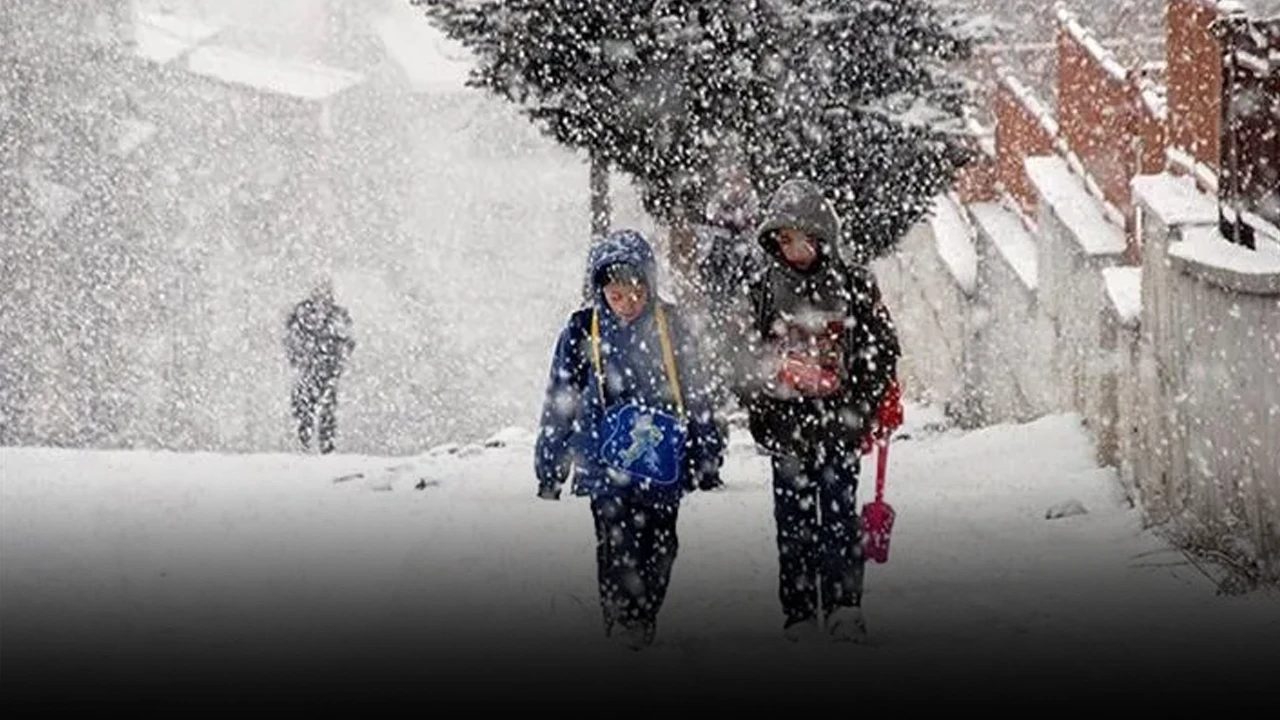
[{"x": 600, "y": 210}]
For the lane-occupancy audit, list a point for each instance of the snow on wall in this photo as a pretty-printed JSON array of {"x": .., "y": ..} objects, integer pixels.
[
  {"x": 1228, "y": 399},
  {"x": 1205, "y": 388},
  {"x": 1011, "y": 342},
  {"x": 1173, "y": 199},
  {"x": 1204, "y": 174},
  {"x": 1249, "y": 270},
  {"x": 931, "y": 310},
  {"x": 1171, "y": 364},
  {"x": 1124, "y": 289},
  {"x": 1105, "y": 58},
  {"x": 954, "y": 236},
  {"x": 1075, "y": 243},
  {"x": 1006, "y": 233},
  {"x": 1063, "y": 194}
]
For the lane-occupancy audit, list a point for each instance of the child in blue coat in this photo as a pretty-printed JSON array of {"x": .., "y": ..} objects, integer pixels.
[{"x": 628, "y": 413}]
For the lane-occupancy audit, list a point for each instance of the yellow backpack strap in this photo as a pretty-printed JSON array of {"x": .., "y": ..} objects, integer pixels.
[
  {"x": 669, "y": 358},
  {"x": 595, "y": 351}
]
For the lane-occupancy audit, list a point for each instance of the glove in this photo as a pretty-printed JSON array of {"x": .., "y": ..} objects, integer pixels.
[
  {"x": 548, "y": 492},
  {"x": 888, "y": 417},
  {"x": 710, "y": 481}
]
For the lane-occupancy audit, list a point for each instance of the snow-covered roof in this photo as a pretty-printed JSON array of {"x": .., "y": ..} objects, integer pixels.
[
  {"x": 263, "y": 72},
  {"x": 161, "y": 37},
  {"x": 430, "y": 60}
]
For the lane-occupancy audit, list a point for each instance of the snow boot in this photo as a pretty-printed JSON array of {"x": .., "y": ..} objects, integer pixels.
[
  {"x": 847, "y": 624},
  {"x": 632, "y": 637},
  {"x": 801, "y": 630}
]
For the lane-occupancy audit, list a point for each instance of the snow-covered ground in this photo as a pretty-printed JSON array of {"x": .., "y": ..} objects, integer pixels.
[{"x": 442, "y": 574}]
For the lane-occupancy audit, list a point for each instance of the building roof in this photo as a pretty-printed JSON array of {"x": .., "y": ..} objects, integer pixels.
[
  {"x": 265, "y": 73},
  {"x": 429, "y": 59},
  {"x": 161, "y": 37}
]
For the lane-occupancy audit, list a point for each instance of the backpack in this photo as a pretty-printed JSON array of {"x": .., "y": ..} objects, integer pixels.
[{"x": 642, "y": 444}]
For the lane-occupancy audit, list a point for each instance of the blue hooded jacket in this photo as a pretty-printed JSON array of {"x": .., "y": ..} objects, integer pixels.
[{"x": 634, "y": 370}]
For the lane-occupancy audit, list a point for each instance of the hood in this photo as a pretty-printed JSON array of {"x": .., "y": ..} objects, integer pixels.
[
  {"x": 621, "y": 246},
  {"x": 800, "y": 204}
]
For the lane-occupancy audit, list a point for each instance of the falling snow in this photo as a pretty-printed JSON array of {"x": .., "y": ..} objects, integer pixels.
[{"x": 176, "y": 176}]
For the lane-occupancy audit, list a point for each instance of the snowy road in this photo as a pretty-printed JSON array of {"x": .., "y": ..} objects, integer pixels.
[{"x": 136, "y": 567}]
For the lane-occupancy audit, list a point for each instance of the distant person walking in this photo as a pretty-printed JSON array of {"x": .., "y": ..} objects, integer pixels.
[{"x": 318, "y": 342}]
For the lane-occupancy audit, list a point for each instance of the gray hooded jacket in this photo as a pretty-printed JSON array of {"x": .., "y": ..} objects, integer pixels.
[
  {"x": 829, "y": 290},
  {"x": 820, "y": 291}
]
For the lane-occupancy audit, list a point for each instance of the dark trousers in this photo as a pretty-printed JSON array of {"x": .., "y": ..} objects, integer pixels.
[
  {"x": 820, "y": 558},
  {"x": 636, "y": 547},
  {"x": 314, "y": 402}
]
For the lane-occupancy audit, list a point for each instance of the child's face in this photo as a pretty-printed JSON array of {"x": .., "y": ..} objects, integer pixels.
[
  {"x": 797, "y": 247},
  {"x": 627, "y": 298}
]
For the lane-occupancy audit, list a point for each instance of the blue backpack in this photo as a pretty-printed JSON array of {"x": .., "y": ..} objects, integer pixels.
[{"x": 642, "y": 444}]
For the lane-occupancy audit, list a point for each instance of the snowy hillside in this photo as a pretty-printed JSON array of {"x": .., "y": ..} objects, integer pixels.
[{"x": 442, "y": 574}]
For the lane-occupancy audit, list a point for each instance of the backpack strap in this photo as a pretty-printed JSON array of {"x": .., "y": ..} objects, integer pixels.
[
  {"x": 668, "y": 355},
  {"x": 595, "y": 351},
  {"x": 669, "y": 358}
]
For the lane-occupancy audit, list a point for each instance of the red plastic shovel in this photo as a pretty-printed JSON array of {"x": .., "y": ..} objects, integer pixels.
[{"x": 877, "y": 516}]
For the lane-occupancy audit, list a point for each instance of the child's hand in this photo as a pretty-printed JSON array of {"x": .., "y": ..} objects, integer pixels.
[
  {"x": 889, "y": 417},
  {"x": 548, "y": 492},
  {"x": 710, "y": 481}
]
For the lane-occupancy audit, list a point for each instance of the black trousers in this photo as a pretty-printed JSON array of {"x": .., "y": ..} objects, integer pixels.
[
  {"x": 636, "y": 546},
  {"x": 820, "y": 557},
  {"x": 314, "y": 402}
]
